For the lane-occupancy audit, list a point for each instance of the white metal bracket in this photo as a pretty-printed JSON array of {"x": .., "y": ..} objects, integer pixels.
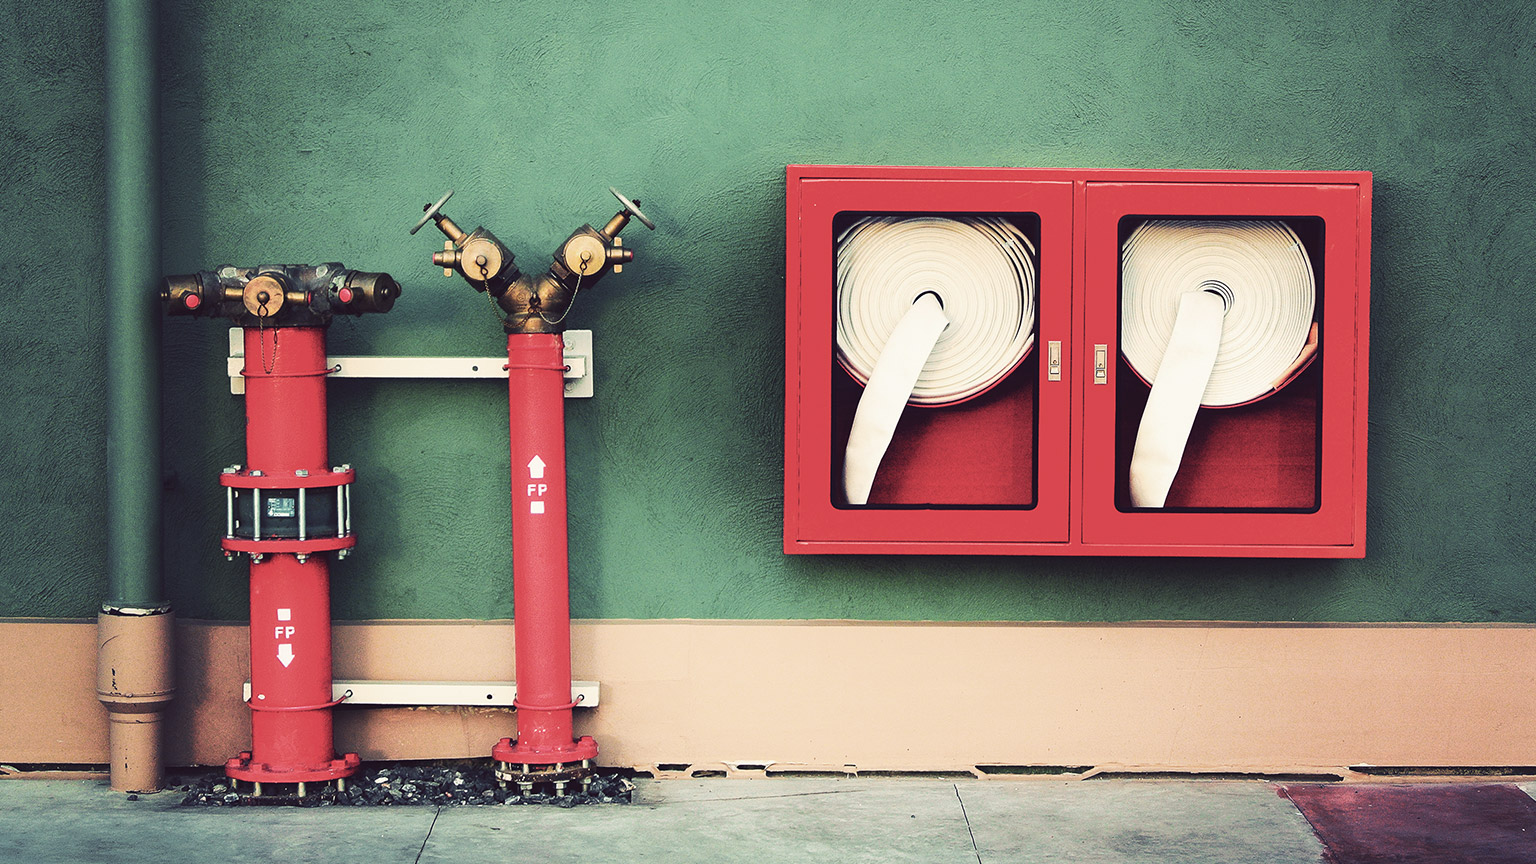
[
  {"x": 494, "y": 694},
  {"x": 578, "y": 361}
]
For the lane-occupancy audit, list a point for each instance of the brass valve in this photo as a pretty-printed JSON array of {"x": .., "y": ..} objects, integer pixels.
[
  {"x": 476, "y": 255},
  {"x": 534, "y": 304},
  {"x": 289, "y": 295}
]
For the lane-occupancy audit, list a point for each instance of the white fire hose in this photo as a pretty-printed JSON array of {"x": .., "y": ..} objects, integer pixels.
[
  {"x": 1213, "y": 313},
  {"x": 930, "y": 311}
]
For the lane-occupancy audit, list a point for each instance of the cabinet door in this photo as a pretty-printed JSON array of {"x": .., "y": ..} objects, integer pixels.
[
  {"x": 974, "y": 476},
  {"x": 1282, "y": 474}
]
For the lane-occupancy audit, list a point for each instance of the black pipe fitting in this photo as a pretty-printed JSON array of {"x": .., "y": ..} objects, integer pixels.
[{"x": 287, "y": 295}]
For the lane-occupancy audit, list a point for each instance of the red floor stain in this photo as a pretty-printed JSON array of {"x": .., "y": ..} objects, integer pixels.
[{"x": 1444, "y": 824}]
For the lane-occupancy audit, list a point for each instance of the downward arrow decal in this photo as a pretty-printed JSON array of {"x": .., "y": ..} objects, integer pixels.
[{"x": 285, "y": 654}]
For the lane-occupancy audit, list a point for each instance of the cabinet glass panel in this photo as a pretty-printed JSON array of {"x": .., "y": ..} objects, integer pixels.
[
  {"x": 967, "y": 462},
  {"x": 1228, "y": 412}
]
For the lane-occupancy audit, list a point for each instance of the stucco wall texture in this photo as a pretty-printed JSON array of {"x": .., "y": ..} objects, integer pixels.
[{"x": 314, "y": 132}]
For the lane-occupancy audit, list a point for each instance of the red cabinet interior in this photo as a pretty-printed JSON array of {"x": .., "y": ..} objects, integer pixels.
[
  {"x": 1038, "y": 464},
  {"x": 933, "y": 461},
  {"x": 1262, "y": 456}
]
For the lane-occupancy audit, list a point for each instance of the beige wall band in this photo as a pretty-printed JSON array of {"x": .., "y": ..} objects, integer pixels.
[{"x": 1191, "y": 697}]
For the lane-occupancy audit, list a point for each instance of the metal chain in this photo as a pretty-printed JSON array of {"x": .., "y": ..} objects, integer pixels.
[
  {"x": 586, "y": 257},
  {"x": 485, "y": 274},
  {"x": 496, "y": 308},
  {"x": 261, "y": 316}
]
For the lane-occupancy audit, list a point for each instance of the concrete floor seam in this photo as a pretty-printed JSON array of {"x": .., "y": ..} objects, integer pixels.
[
  {"x": 427, "y": 839},
  {"x": 968, "y": 829},
  {"x": 1312, "y": 826}
]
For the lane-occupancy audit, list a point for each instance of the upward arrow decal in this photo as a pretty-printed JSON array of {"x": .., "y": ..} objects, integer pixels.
[{"x": 535, "y": 468}]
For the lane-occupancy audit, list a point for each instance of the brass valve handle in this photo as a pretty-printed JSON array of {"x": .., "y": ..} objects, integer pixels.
[
  {"x": 431, "y": 210},
  {"x": 628, "y": 206}
]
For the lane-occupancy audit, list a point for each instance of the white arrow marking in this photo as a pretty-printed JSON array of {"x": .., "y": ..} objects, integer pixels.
[
  {"x": 285, "y": 654},
  {"x": 536, "y": 467}
]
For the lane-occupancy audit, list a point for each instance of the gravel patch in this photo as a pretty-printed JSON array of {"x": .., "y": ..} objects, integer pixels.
[{"x": 405, "y": 785}]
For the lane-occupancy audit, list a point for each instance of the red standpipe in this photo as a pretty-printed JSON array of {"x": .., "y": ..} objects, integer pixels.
[
  {"x": 545, "y": 748},
  {"x": 289, "y": 482}
]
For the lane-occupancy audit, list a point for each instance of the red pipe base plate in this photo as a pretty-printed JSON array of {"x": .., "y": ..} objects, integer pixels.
[
  {"x": 525, "y": 766},
  {"x": 558, "y": 774},
  {"x": 243, "y": 767},
  {"x": 510, "y": 751}
]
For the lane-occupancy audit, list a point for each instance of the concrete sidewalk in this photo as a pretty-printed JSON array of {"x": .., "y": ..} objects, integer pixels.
[
  {"x": 714, "y": 820},
  {"x": 756, "y": 821}
]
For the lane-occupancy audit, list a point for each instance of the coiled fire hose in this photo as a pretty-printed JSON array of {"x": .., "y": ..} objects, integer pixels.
[
  {"x": 930, "y": 311},
  {"x": 1213, "y": 313}
]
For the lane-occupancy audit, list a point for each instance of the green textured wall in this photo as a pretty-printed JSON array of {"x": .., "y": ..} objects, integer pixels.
[{"x": 309, "y": 132}]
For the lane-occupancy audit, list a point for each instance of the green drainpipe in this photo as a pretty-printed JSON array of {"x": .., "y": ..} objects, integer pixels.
[{"x": 135, "y": 674}]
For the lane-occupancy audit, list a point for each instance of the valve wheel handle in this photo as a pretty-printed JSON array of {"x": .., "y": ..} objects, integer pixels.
[
  {"x": 432, "y": 210},
  {"x": 628, "y": 205}
]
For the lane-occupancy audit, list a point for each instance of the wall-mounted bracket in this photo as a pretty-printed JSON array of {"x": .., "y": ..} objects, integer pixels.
[{"x": 578, "y": 360}]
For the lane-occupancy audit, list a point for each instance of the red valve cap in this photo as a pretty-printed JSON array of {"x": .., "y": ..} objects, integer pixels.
[
  {"x": 191, "y": 301},
  {"x": 344, "y": 295}
]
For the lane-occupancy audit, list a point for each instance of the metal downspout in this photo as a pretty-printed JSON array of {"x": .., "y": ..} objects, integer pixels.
[{"x": 135, "y": 674}]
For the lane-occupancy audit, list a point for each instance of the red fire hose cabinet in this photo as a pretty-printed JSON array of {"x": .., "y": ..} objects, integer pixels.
[{"x": 1090, "y": 362}]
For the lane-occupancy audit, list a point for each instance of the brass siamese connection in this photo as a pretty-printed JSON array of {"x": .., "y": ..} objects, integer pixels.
[{"x": 533, "y": 304}]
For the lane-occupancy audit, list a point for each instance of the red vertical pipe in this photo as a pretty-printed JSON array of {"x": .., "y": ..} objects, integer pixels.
[
  {"x": 291, "y": 740},
  {"x": 285, "y": 418},
  {"x": 285, "y": 431},
  {"x": 541, "y": 577}
]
